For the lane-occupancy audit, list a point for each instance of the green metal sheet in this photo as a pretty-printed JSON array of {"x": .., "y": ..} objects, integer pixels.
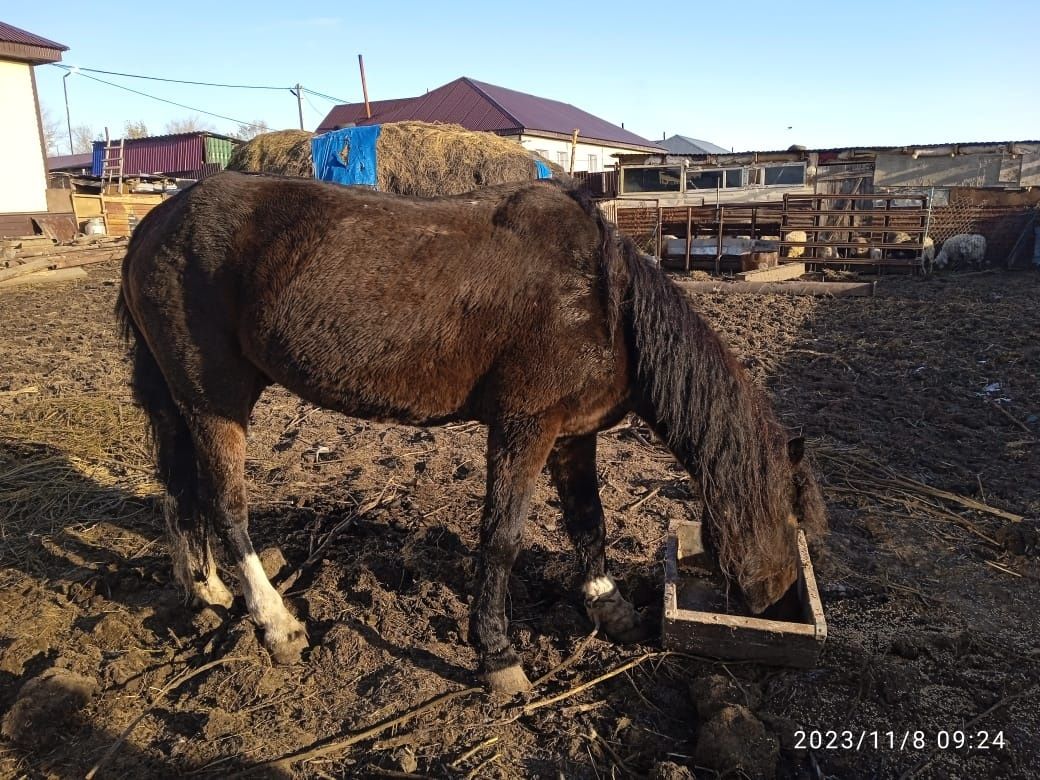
[{"x": 218, "y": 150}]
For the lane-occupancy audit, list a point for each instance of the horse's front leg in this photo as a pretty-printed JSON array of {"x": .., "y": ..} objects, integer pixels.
[
  {"x": 573, "y": 467},
  {"x": 517, "y": 450}
]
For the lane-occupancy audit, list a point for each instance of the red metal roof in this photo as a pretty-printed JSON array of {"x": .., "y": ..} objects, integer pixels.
[
  {"x": 11, "y": 34},
  {"x": 354, "y": 113},
  {"x": 536, "y": 113},
  {"x": 479, "y": 106}
]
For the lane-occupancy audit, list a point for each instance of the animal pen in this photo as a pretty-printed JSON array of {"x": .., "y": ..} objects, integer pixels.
[{"x": 823, "y": 230}]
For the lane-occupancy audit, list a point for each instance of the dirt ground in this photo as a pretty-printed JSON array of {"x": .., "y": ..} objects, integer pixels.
[{"x": 916, "y": 402}]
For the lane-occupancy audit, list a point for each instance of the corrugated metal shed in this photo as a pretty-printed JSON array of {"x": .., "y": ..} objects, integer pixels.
[{"x": 183, "y": 154}]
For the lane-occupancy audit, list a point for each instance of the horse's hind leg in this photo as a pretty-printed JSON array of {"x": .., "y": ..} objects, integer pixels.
[
  {"x": 517, "y": 450},
  {"x": 573, "y": 467},
  {"x": 187, "y": 529},
  {"x": 220, "y": 445}
]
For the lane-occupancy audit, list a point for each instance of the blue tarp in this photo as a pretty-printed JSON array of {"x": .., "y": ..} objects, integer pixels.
[
  {"x": 544, "y": 171},
  {"x": 359, "y": 167}
]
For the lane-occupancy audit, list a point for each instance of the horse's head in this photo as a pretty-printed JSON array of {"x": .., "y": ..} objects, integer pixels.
[{"x": 760, "y": 553}]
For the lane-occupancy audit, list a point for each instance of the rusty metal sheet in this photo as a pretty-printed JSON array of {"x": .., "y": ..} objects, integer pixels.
[{"x": 60, "y": 227}]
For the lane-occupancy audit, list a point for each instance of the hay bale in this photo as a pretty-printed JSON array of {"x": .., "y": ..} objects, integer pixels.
[{"x": 413, "y": 158}]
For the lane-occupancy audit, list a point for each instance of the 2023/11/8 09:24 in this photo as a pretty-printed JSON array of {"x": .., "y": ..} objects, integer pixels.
[{"x": 899, "y": 740}]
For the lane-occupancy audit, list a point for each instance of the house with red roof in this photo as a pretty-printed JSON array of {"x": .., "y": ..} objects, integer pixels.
[
  {"x": 23, "y": 158},
  {"x": 538, "y": 124}
]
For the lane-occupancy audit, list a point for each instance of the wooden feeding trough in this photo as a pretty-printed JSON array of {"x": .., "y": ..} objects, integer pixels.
[{"x": 699, "y": 617}]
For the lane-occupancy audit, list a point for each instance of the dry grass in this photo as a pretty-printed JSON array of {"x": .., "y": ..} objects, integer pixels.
[
  {"x": 849, "y": 471},
  {"x": 67, "y": 461},
  {"x": 417, "y": 158},
  {"x": 283, "y": 152},
  {"x": 413, "y": 158}
]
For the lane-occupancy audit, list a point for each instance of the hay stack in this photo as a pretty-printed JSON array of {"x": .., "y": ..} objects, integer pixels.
[
  {"x": 413, "y": 158},
  {"x": 283, "y": 152},
  {"x": 416, "y": 158}
]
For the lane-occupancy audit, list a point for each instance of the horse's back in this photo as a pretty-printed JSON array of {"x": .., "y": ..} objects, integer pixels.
[{"x": 382, "y": 305}]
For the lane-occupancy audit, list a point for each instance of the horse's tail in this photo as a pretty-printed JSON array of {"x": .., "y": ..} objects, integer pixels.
[{"x": 169, "y": 431}]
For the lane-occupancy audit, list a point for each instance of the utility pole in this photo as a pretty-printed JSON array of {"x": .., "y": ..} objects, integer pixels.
[
  {"x": 68, "y": 117},
  {"x": 299, "y": 102}
]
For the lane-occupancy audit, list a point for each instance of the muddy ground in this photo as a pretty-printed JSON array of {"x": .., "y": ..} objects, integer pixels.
[{"x": 932, "y": 606}]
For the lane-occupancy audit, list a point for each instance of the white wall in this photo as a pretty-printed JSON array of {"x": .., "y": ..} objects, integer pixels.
[
  {"x": 23, "y": 174},
  {"x": 551, "y": 148}
]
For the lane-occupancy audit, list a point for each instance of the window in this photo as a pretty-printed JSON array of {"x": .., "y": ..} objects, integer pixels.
[
  {"x": 714, "y": 178},
  {"x": 593, "y": 163},
  {"x": 784, "y": 175},
  {"x": 563, "y": 159},
  {"x": 657, "y": 179}
]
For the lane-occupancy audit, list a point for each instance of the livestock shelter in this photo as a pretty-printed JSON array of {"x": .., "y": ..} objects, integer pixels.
[{"x": 840, "y": 196}]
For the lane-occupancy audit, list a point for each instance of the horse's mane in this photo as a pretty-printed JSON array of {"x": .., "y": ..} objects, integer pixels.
[{"x": 716, "y": 421}]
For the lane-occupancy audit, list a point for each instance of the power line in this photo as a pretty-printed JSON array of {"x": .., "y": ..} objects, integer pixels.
[
  {"x": 75, "y": 68},
  {"x": 313, "y": 107},
  {"x": 172, "y": 103},
  {"x": 327, "y": 97}
]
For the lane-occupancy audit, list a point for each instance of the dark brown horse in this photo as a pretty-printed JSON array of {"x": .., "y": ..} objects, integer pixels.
[{"x": 517, "y": 306}]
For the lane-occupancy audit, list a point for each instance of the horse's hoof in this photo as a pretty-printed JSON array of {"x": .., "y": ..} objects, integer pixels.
[
  {"x": 212, "y": 593},
  {"x": 508, "y": 680},
  {"x": 286, "y": 647},
  {"x": 633, "y": 631},
  {"x": 613, "y": 613}
]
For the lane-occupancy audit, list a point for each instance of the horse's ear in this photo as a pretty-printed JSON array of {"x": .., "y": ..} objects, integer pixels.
[{"x": 796, "y": 450}]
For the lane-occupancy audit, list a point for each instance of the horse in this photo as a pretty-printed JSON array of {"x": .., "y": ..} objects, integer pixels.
[{"x": 517, "y": 306}]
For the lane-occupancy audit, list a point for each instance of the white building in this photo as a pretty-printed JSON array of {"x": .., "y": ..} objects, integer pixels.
[{"x": 23, "y": 158}]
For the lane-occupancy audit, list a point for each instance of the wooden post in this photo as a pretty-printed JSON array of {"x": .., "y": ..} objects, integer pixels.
[
  {"x": 718, "y": 251},
  {"x": 689, "y": 235},
  {"x": 574, "y": 150},
  {"x": 660, "y": 221},
  {"x": 364, "y": 87}
]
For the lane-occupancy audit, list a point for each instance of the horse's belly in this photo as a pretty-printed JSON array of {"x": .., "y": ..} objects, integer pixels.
[{"x": 390, "y": 383}]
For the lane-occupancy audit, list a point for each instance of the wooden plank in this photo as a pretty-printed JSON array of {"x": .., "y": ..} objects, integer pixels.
[
  {"x": 776, "y": 274},
  {"x": 43, "y": 277},
  {"x": 836, "y": 289},
  {"x": 25, "y": 268},
  {"x": 97, "y": 242},
  {"x": 134, "y": 200},
  {"x": 89, "y": 258},
  {"x": 27, "y": 242}
]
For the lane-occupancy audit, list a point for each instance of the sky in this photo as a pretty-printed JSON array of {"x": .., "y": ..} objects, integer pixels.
[{"x": 744, "y": 75}]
